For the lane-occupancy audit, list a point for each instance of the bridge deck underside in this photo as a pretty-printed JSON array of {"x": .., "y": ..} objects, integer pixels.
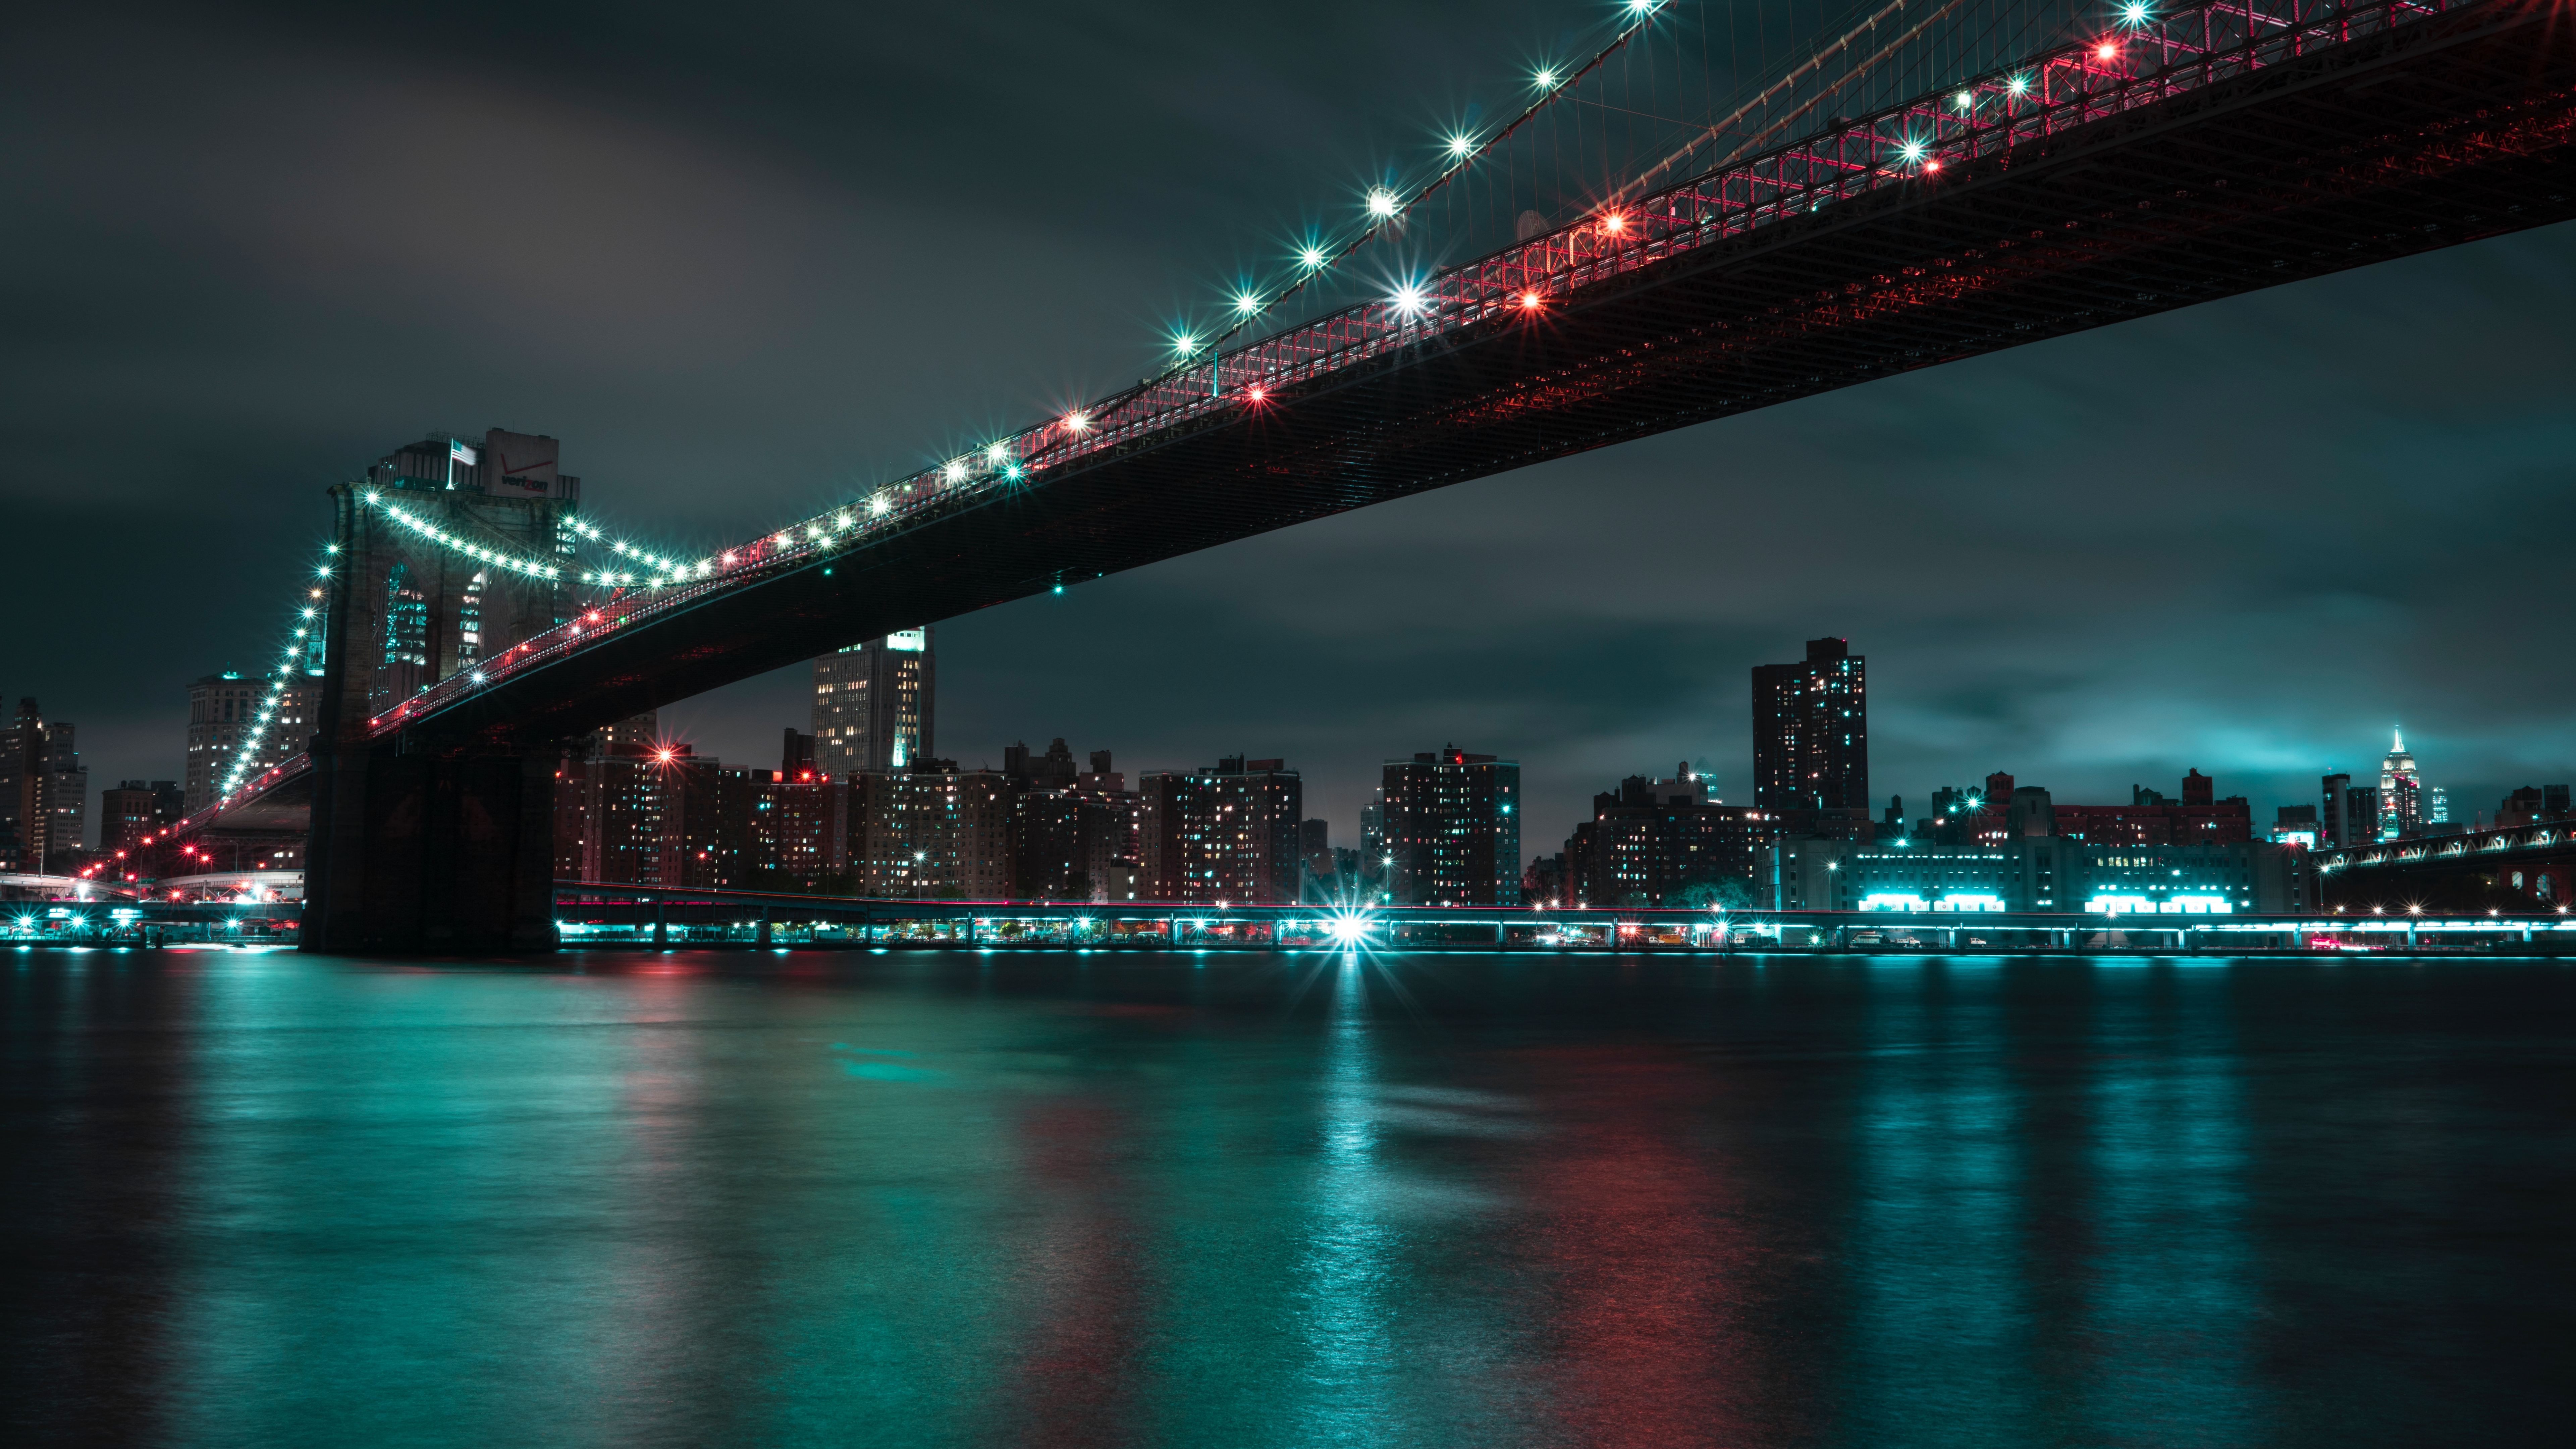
[{"x": 2430, "y": 135}]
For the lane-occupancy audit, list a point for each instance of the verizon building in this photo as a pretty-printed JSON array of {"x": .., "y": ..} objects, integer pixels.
[
  {"x": 873, "y": 704},
  {"x": 1811, "y": 733}
]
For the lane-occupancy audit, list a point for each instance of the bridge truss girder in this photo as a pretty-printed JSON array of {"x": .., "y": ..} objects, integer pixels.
[{"x": 2419, "y": 137}]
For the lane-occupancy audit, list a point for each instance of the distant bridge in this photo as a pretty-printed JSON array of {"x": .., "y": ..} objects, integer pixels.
[
  {"x": 2160, "y": 159},
  {"x": 2531, "y": 866}
]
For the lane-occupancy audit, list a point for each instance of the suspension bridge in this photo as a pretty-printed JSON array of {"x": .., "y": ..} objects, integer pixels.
[{"x": 1919, "y": 187}]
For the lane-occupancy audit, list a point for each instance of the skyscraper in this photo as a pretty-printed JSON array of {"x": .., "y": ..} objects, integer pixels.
[
  {"x": 44, "y": 793},
  {"x": 1811, "y": 733},
  {"x": 2401, "y": 803},
  {"x": 873, "y": 704},
  {"x": 1452, "y": 822}
]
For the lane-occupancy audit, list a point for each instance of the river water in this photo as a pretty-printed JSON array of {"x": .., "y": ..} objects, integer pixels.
[{"x": 1453, "y": 1200}]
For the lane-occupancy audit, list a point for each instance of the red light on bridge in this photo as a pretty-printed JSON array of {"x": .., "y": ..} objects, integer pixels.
[
  {"x": 1531, "y": 301},
  {"x": 1931, "y": 165},
  {"x": 1614, "y": 223},
  {"x": 1256, "y": 392},
  {"x": 2106, "y": 51}
]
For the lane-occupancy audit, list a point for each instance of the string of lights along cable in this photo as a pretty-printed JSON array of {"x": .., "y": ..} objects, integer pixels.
[
  {"x": 305, "y": 629},
  {"x": 1385, "y": 208},
  {"x": 657, "y": 568}
]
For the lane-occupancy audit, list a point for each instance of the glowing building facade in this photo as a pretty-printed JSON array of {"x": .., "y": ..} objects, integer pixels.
[{"x": 2401, "y": 792}]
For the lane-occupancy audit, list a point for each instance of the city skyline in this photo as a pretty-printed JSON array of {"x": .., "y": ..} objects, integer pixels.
[
  {"x": 2467, "y": 801},
  {"x": 1603, "y": 722}
]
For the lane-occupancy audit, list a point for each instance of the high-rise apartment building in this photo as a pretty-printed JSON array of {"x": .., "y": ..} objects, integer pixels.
[
  {"x": 44, "y": 793},
  {"x": 1662, "y": 842},
  {"x": 2401, "y": 791},
  {"x": 1075, "y": 844},
  {"x": 932, "y": 833},
  {"x": 1225, "y": 834},
  {"x": 223, "y": 710},
  {"x": 608, "y": 815},
  {"x": 1811, "y": 734},
  {"x": 1074, "y": 831},
  {"x": 1452, "y": 822},
  {"x": 873, "y": 704}
]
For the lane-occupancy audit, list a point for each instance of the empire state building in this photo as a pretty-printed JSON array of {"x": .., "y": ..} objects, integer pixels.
[{"x": 2401, "y": 792}]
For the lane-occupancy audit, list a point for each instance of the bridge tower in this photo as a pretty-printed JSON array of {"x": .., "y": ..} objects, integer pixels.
[{"x": 449, "y": 553}]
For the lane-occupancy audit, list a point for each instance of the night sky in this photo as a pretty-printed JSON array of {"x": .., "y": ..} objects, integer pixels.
[{"x": 743, "y": 260}]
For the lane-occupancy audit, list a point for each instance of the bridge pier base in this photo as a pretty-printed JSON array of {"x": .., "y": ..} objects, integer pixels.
[{"x": 422, "y": 852}]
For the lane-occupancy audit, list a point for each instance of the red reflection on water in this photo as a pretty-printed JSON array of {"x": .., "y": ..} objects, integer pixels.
[
  {"x": 1082, "y": 1294},
  {"x": 1645, "y": 1258}
]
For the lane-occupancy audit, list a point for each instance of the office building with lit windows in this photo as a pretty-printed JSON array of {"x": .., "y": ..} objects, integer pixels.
[
  {"x": 1452, "y": 822},
  {"x": 874, "y": 704}
]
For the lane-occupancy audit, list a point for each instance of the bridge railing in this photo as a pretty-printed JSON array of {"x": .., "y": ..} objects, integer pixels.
[{"x": 1921, "y": 144}]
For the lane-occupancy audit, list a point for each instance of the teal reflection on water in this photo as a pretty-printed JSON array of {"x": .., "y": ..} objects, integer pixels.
[{"x": 1374, "y": 1199}]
